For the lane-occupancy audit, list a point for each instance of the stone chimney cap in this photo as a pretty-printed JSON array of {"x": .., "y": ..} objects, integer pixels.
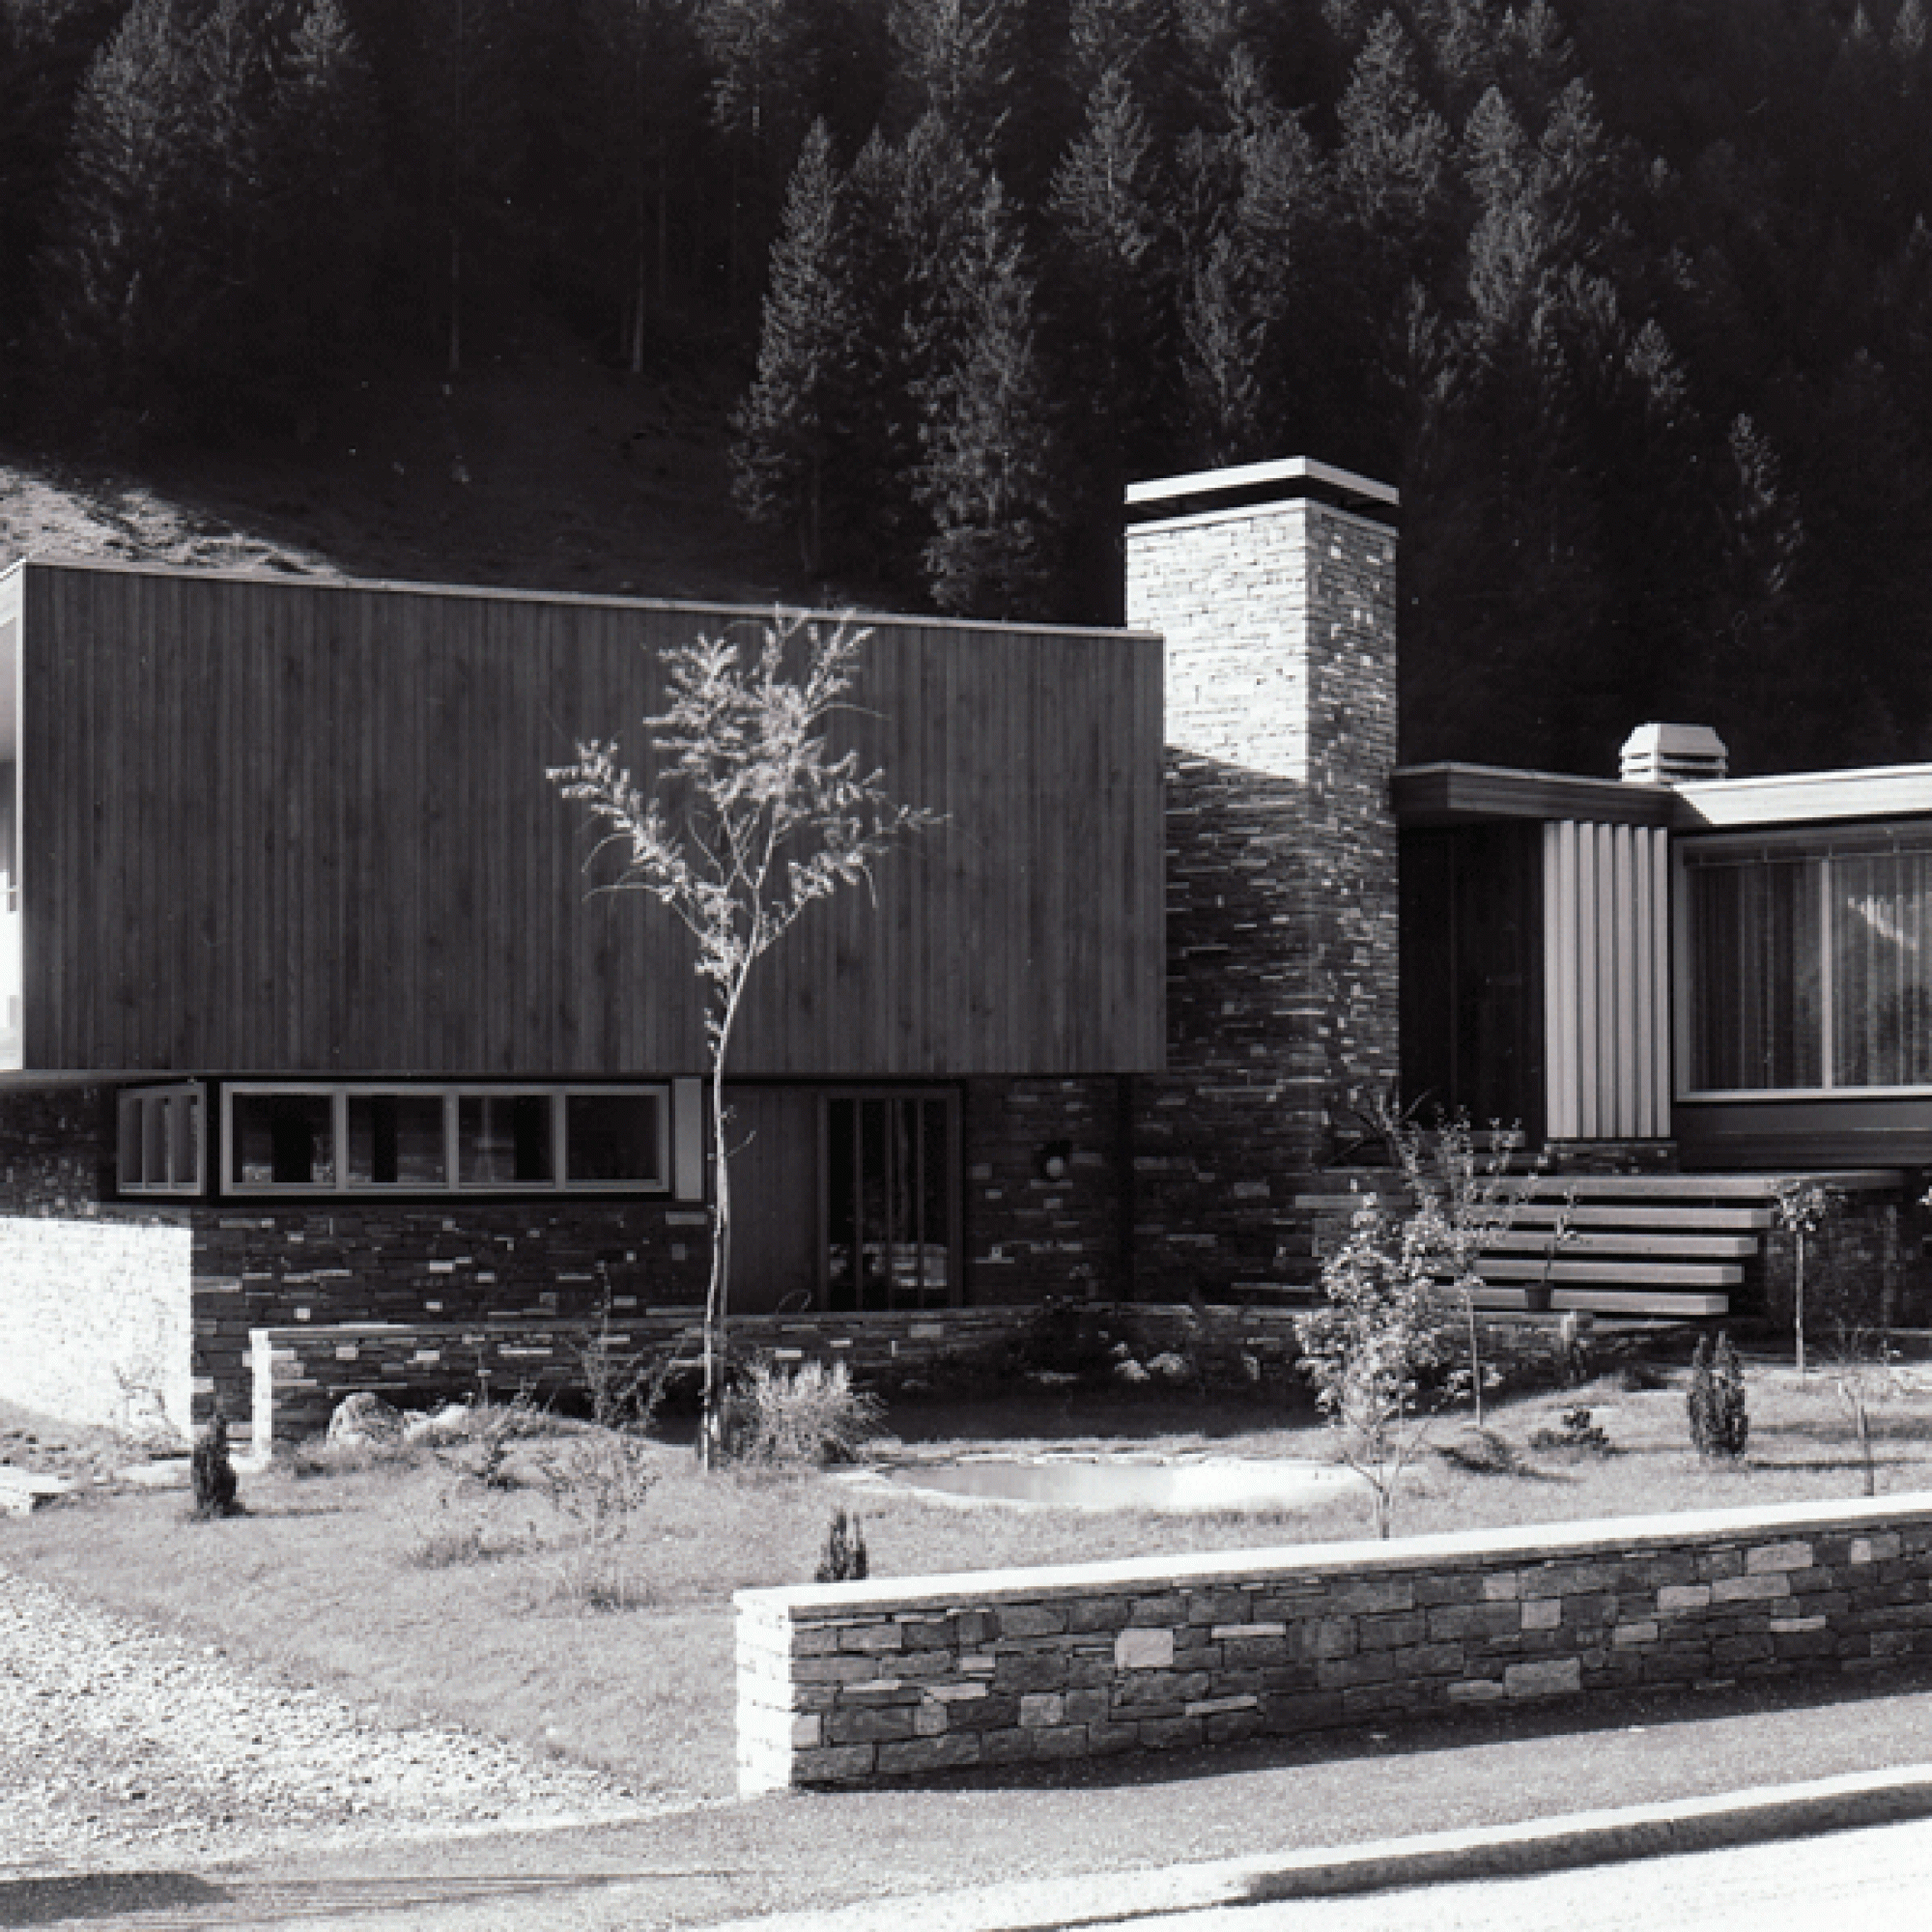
[
  {"x": 1252, "y": 483},
  {"x": 1673, "y": 754}
]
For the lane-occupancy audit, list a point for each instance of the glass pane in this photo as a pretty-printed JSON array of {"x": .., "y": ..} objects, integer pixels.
[
  {"x": 502, "y": 1139},
  {"x": 613, "y": 1137},
  {"x": 128, "y": 1155},
  {"x": 183, "y": 1111},
  {"x": 396, "y": 1140},
  {"x": 1882, "y": 981},
  {"x": 155, "y": 1142},
  {"x": 284, "y": 1140},
  {"x": 1756, "y": 1014}
]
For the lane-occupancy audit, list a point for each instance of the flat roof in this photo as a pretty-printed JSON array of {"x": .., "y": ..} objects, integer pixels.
[
  {"x": 1455, "y": 793},
  {"x": 1452, "y": 793}
]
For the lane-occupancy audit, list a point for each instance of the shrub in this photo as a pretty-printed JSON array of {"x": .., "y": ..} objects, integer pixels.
[
  {"x": 1383, "y": 1332},
  {"x": 810, "y": 1414},
  {"x": 844, "y": 1560},
  {"x": 1716, "y": 1400},
  {"x": 596, "y": 1486},
  {"x": 1581, "y": 1433}
]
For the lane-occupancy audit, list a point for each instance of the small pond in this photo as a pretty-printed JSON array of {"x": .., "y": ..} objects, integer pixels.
[{"x": 1111, "y": 1484}]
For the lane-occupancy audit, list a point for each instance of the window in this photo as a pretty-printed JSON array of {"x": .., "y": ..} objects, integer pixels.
[
  {"x": 1808, "y": 966},
  {"x": 159, "y": 1139},
  {"x": 372, "y": 1140},
  {"x": 890, "y": 1201}
]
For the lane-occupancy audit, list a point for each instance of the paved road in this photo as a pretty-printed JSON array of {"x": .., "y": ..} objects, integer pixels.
[
  {"x": 1874, "y": 1881},
  {"x": 1128, "y": 1837}
]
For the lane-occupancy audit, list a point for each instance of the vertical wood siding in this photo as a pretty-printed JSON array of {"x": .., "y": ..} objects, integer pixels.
[
  {"x": 1607, "y": 980},
  {"x": 290, "y": 827}
]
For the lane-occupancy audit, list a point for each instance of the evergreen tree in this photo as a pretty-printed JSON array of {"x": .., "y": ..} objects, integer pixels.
[
  {"x": 794, "y": 425},
  {"x": 1112, "y": 292},
  {"x": 207, "y": 265},
  {"x": 988, "y": 462}
]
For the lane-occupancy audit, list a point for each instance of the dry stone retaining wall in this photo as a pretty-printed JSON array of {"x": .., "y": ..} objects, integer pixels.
[{"x": 852, "y": 1684}]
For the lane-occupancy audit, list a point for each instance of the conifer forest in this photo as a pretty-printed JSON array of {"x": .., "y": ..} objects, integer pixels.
[{"x": 1631, "y": 299}]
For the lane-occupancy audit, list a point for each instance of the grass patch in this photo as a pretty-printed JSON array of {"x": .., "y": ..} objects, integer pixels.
[{"x": 379, "y": 1580}]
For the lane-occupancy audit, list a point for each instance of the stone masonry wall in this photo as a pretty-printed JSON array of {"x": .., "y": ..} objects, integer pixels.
[
  {"x": 96, "y": 1315},
  {"x": 1281, "y": 873},
  {"x": 56, "y": 1150},
  {"x": 258, "y": 1266},
  {"x": 1030, "y": 1237},
  {"x": 858, "y": 1683},
  {"x": 298, "y": 1374}
]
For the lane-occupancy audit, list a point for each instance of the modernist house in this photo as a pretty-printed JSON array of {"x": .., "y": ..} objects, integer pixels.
[{"x": 314, "y": 1025}]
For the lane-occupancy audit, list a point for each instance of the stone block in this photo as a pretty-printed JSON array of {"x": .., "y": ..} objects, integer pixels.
[
  {"x": 845, "y": 1726},
  {"x": 1542, "y": 1612},
  {"x": 1031, "y": 1619},
  {"x": 1031, "y": 1670},
  {"x": 1749, "y": 1589},
  {"x": 922, "y": 1754},
  {"x": 1678, "y": 1597},
  {"x": 1774, "y": 1556},
  {"x": 1144, "y": 1649},
  {"x": 1041, "y": 1710},
  {"x": 1552, "y": 1676},
  {"x": 834, "y": 1765}
]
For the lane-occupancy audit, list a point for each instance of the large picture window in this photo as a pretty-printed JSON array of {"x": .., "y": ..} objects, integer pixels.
[
  {"x": 365, "y": 1139},
  {"x": 1808, "y": 968}
]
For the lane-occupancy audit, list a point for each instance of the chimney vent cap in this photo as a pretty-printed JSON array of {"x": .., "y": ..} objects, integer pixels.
[{"x": 1672, "y": 755}]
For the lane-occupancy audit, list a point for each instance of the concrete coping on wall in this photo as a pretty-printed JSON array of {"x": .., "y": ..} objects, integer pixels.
[{"x": 1620, "y": 1536}]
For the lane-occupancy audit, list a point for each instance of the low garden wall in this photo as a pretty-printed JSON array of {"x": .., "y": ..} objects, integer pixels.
[
  {"x": 301, "y": 1372},
  {"x": 858, "y": 1683}
]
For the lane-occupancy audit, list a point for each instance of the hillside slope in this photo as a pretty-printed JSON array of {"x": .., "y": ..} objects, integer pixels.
[{"x": 545, "y": 470}]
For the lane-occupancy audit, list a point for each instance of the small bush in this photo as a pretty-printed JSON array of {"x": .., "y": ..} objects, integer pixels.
[
  {"x": 597, "y": 1485},
  {"x": 810, "y": 1414},
  {"x": 1482, "y": 1452},
  {"x": 1580, "y": 1434},
  {"x": 1720, "y": 1426},
  {"x": 844, "y": 1560}
]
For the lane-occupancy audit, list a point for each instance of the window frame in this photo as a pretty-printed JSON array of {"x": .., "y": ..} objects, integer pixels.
[
  {"x": 1822, "y": 848},
  {"x": 557, "y": 1095},
  {"x": 134, "y": 1101}
]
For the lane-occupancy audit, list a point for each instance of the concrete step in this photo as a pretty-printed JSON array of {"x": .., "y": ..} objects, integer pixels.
[
  {"x": 1638, "y": 1274},
  {"x": 1681, "y": 1306},
  {"x": 1639, "y": 1242}
]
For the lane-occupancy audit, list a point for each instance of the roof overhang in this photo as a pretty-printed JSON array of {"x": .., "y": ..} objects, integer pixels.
[{"x": 1458, "y": 794}]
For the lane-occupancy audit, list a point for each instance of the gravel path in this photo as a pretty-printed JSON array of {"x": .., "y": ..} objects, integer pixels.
[{"x": 114, "y": 1739}]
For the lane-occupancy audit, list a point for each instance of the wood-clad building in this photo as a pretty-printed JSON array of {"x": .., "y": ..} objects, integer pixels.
[{"x": 270, "y": 827}]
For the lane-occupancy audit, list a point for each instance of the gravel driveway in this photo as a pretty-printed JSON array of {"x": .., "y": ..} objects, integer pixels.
[{"x": 114, "y": 1739}]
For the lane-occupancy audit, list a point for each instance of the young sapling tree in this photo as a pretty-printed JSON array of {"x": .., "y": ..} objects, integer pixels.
[
  {"x": 750, "y": 818},
  {"x": 1804, "y": 1208}
]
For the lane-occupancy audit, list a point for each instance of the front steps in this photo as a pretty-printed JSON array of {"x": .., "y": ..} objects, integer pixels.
[{"x": 1668, "y": 1246}]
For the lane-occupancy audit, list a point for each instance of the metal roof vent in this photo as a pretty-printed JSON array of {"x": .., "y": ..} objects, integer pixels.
[{"x": 1670, "y": 754}]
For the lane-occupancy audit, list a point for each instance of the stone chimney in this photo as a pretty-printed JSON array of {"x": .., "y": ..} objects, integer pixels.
[
  {"x": 1273, "y": 585},
  {"x": 1672, "y": 755}
]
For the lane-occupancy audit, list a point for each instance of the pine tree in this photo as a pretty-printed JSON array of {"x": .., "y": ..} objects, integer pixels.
[
  {"x": 958, "y": 60},
  {"x": 792, "y": 425},
  {"x": 1111, "y": 291},
  {"x": 986, "y": 470},
  {"x": 207, "y": 268}
]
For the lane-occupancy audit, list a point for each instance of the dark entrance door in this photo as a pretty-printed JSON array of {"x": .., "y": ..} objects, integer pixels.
[{"x": 1472, "y": 971}]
